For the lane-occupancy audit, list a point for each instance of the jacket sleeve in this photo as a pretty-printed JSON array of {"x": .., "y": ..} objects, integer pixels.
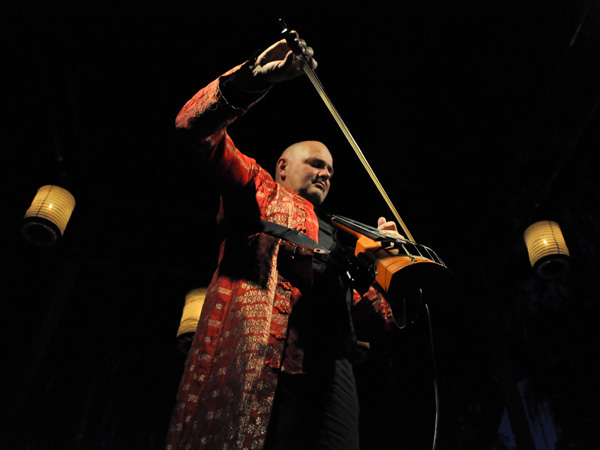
[
  {"x": 201, "y": 126},
  {"x": 372, "y": 314}
]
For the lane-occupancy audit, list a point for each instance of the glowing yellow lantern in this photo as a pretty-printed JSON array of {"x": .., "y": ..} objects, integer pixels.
[
  {"x": 47, "y": 217},
  {"x": 194, "y": 300},
  {"x": 548, "y": 252}
]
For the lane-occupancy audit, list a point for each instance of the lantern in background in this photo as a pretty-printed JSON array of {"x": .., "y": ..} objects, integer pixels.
[
  {"x": 194, "y": 300},
  {"x": 47, "y": 217},
  {"x": 548, "y": 252}
]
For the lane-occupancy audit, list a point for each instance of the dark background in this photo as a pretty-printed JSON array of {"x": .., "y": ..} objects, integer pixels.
[{"x": 479, "y": 118}]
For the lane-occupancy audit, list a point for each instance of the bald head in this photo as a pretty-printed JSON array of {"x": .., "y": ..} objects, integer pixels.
[{"x": 306, "y": 168}]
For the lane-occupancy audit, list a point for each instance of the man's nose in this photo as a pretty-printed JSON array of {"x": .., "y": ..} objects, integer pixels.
[{"x": 324, "y": 174}]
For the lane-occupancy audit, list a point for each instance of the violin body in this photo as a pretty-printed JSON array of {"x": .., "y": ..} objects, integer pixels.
[
  {"x": 405, "y": 270},
  {"x": 389, "y": 261}
]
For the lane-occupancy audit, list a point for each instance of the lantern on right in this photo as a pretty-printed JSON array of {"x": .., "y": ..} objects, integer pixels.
[{"x": 548, "y": 252}]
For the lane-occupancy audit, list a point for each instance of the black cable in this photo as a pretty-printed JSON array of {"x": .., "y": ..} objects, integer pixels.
[{"x": 435, "y": 380}]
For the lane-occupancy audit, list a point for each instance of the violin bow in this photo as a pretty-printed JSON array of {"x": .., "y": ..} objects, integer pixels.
[{"x": 319, "y": 87}]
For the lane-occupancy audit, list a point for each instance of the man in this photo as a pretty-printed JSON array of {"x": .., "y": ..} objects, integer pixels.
[{"x": 270, "y": 365}]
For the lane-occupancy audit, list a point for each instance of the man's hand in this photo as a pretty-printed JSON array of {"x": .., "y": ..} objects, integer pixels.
[
  {"x": 278, "y": 63},
  {"x": 389, "y": 227}
]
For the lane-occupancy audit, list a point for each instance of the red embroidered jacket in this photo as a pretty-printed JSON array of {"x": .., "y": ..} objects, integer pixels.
[{"x": 227, "y": 390}]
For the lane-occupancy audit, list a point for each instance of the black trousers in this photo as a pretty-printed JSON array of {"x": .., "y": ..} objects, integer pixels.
[{"x": 316, "y": 410}]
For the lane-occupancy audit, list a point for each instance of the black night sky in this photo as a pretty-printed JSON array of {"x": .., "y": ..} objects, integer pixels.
[{"x": 478, "y": 117}]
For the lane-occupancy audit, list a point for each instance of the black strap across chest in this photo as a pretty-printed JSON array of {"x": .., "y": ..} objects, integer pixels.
[{"x": 291, "y": 235}]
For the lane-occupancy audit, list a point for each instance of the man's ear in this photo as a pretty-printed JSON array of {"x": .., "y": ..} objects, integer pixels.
[{"x": 281, "y": 169}]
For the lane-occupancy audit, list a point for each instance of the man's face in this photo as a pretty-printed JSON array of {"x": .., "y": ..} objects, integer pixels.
[{"x": 307, "y": 168}]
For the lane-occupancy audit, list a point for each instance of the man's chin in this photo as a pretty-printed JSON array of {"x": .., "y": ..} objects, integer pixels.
[
  {"x": 316, "y": 198},
  {"x": 314, "y": 195}
]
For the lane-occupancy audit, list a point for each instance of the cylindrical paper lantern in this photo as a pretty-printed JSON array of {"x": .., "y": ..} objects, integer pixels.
[
  {"x": 548, "y": 252},
  {"x": 194, "y": 300},
  {"x": 47, "y": 217}
]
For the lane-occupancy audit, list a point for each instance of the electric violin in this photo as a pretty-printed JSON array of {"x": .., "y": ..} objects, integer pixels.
[{"x": 400, "y": 266}]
